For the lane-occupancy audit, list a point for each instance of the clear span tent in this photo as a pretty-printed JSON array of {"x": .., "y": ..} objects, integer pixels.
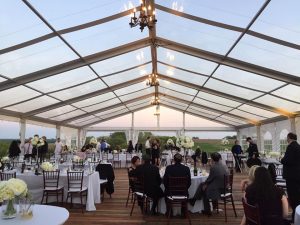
[{"x": 73, "y": 64}]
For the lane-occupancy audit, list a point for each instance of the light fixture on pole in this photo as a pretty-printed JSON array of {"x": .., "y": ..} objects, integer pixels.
[
  {"x": 157, "y": 111},
  {"x": 146, "y": 17},
  {"x": 152, "y": 80}
]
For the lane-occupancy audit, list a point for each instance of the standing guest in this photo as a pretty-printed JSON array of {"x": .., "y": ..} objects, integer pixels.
[
  {"x": 271, "y": 200},
  {"x": 291, "y": 170},
  {"x": 237, "y": 151},
  {"x": 252, "y": 148},
  {"x": 43, "y": 149},
  {"x": 130, "y": 147},
  {"x": 149, "y": 175},
  {"x": 155, "y": 152},
  {"x": 148, "y": 146},
  {"x": 58, "y": 148},
  {"x": 14, "y": 149},
  {"x": 140, "y": 147},
  {"x": 28, "y": 149},
  {"x": 213, "y": 186},
  {"x": 177, "y": 170},
  {"x": 103, "y": 146},
  {"x": 34, "y": 142}
]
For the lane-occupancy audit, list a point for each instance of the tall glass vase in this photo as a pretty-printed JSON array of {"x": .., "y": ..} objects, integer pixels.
[{"x": 9, "y": 209}]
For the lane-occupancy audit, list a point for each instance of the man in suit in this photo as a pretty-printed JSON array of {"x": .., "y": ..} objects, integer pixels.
[
  {"x": 291, "y": 170},
  {"x": 149, "y": 175},
  {"x": 214, "y": 184},
  {"x": 177, "y": 170},
  {"x": 252, "y": 148}
]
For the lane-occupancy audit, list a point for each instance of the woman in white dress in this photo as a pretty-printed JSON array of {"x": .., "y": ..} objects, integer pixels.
[{"x": 58, "y": 148}]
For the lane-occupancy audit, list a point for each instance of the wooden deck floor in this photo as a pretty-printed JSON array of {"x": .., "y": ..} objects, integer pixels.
[{"x": 113, "y": 211}]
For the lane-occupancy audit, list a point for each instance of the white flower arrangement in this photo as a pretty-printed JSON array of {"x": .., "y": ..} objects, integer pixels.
[
  {"x": 115, "y": 151},
  {"x": 47, "y": 166},
  {"x": 5, "y": 159},
  {"x": 12, "y": 188},
  {"x": 170, "y": 142},
  {"x": 37, "y": 142},
  {"x": 274, "y": 154},
  {"x": 184, "y": 142},
  {"x": 76, "y": 158},
  {"x": 93, "y": 141},
  {"x": 0, "y": 164},
  {"x": 225, "y": 141}
]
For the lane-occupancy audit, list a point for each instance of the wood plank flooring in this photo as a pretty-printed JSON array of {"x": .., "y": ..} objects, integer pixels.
[{"x": 113, "y": 211}]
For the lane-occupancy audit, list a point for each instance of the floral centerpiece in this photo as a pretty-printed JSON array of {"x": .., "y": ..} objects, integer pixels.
[
  {"x": 47, "y": 166},
  {"x": 93, "y": 142},
  {"x": 115, "y": 151},
  {"x": 37, "y": 142},
  {"x": 225, "y": 141},
  {"x": 5, "y": 159},
  {"x": 184, "y": 142},
  {"x": 9, "y": 190},
  {"x": 76, "y": 158},
  {"x": 274, "y": 154}
]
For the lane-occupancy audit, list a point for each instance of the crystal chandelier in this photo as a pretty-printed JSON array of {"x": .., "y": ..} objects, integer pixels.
[
  {"x": 152, "y": 80},
  {"x": 146, "y": 17},
  {"x": 155, "y": 100}
]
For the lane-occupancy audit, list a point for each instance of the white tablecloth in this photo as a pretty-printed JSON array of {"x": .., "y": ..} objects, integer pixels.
[
  {"x": 35, "y": 185},
  {"x": 195, "y": 182},
  {"x": 42, "y": 215},
  {"x": 297, "y": 216}
]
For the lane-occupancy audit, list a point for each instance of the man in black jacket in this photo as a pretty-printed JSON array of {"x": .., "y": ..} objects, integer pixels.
[
  {"x": 252, "y": 149},
  {"x": 177, "y": 170},
  {"x": 291, "y": 170},
  {"x": 149, "y": 175}
]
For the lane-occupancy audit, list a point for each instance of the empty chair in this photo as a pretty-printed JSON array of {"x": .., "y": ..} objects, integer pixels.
[
  {"x": 7, "y": 175},
  {"x": 116, "y": 160},
  {"x": 51, "y": 186},
  {"x": 75, "y": 187},
  {"x": 128, "y": 159}
]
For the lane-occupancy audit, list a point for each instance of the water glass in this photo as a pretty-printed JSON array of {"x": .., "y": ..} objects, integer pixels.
[{"x": 26, "y": 208}]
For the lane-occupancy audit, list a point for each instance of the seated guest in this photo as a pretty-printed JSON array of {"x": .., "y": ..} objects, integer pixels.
[
  {"x": 106, "y": 172},
  {"x": 135, "y": 162},
  {"x": 177, "y": 170},
  {"x": 149, "y": 175},
  {"x": 214, "y": 184},
  {"x": 254, "y": 160},
  {"x": 246, "y": 182},
  {"x": 271, "y": 200}
]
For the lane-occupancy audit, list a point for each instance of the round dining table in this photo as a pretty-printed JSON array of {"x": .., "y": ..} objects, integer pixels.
[{"x": 42, "y": 215}]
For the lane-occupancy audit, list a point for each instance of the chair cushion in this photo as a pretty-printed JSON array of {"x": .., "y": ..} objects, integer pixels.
[
  {"x": 225, "y": 195},
  {"x": 77, "y": 189},
  {"x": 177, "y": 197},
  {"x": 103, "y": 181},
  {"x": 53, "y": 188},
  {"x": 139, "y": 193}
]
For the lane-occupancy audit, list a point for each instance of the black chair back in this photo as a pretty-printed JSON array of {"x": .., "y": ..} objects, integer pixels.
[
  {"x": 228, "y": 182},
  {"x": 51, "y": 179},
  {"x": 251, "y": 213},
  {"x": 7, "y": 175},
  {"x": 177, "y": 186},
  {"x": 75, "y": 180}
]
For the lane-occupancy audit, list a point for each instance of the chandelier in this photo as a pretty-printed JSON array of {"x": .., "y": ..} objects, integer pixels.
[
  {"x": 146, "y": 17},
  {"x": 152, "y": 80},
  {"x": 155, "y": 100}
]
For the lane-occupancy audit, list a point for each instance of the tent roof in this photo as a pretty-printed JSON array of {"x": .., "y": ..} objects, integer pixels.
[{"x": 77, "y": 63}]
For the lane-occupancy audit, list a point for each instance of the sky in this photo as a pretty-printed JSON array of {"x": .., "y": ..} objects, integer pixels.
[{"x": 64, "y": 14}]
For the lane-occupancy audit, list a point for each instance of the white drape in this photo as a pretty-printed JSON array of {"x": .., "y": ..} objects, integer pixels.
[{"x": 135, "y": 136}]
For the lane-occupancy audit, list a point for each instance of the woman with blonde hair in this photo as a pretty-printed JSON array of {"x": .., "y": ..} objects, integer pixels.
[{"x": 246, "y": 182}]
